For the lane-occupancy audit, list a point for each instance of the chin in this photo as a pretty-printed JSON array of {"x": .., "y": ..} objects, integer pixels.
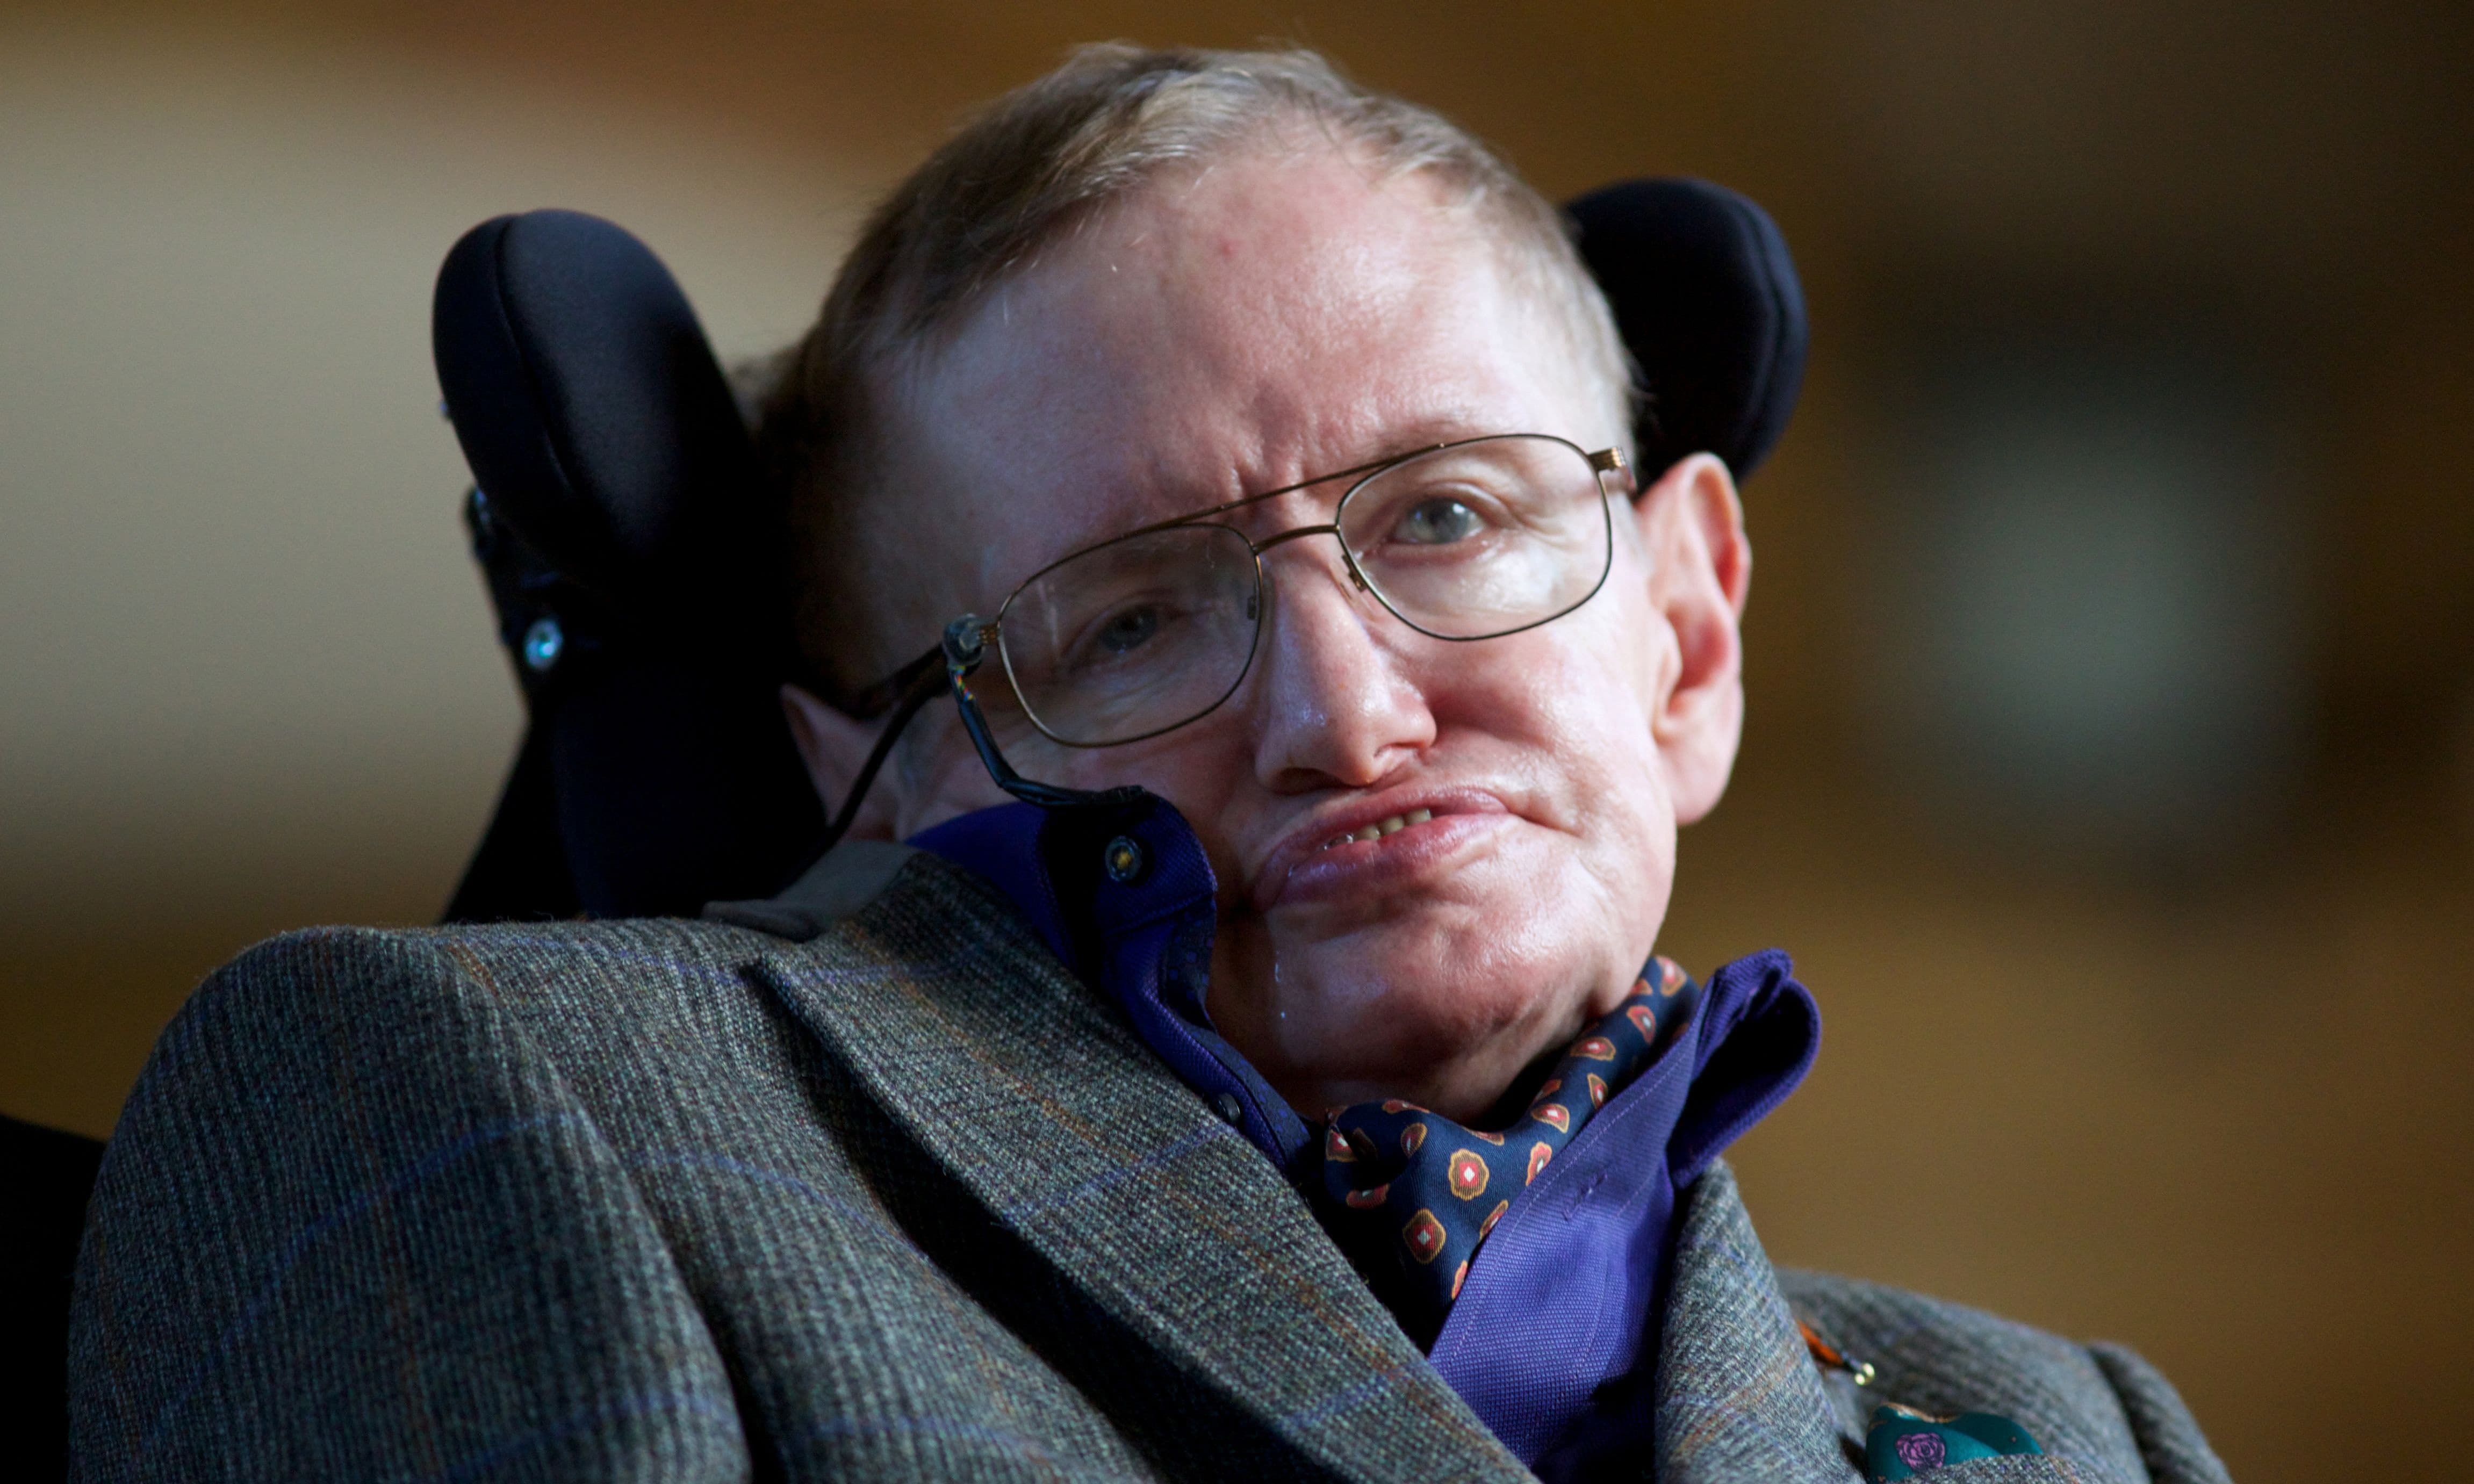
[{"x": 1411, "y": 995}]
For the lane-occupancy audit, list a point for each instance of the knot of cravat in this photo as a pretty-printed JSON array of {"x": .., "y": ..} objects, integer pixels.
[{"x": 1411, "y": 1194}]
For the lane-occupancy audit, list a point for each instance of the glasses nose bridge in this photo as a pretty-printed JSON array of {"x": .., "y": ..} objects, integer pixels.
[{"x": 1331, "y": 529}]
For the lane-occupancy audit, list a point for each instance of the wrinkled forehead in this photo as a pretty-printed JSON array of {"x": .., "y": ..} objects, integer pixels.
[{"x": 1223, "y": 330}]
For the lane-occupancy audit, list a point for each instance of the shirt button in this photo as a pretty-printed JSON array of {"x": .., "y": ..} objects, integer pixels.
[{"x": 1226, "y": 1105}]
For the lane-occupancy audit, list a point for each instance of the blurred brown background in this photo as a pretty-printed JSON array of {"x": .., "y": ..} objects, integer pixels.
[{"x": 2111, "y": 761}]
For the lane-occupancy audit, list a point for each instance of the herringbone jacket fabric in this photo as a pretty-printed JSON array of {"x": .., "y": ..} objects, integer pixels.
[{"x": 666, "y": 1200}]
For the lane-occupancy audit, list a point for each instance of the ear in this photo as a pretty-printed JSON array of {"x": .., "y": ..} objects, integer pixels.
[
  {"x": 835, "y": 746},
  {"x": 1701, "y": 570}
]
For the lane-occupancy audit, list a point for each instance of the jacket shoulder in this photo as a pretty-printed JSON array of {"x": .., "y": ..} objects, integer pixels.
[
  {"x": 471, "y": 1194},
  {"x": 590, "y": 999},
  {"x": 2090, "y": 1401},
  {"x": 350, "y": 1217},
  {"x": 511, "y": 962},
  {"x": 557, "y": 978}
]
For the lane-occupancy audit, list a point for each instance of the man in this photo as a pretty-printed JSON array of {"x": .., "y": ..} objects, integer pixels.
[{"x": 1287, "y": 1087}]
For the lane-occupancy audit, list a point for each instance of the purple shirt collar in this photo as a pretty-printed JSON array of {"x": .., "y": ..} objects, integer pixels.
[
  {"x": 1144, "y": 941},
  {"x": 1589, "y": 1240}
]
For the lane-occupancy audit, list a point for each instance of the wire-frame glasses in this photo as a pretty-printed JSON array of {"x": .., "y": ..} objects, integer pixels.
[{"x": 1148, "y": 631}]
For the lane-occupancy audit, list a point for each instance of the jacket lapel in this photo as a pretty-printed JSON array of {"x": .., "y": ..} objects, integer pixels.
[
  {"x": 1039, "y": 1100},
  {"x": 1738, "y": 1397}
]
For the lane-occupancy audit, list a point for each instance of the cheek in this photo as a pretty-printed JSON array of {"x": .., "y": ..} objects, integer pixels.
[
  {"x": 1192, "y": 766},
  {"x": 1570, "y": 714},
  {"x": 1202, "y": 769},
  {"x": 1569, "y": 706}
]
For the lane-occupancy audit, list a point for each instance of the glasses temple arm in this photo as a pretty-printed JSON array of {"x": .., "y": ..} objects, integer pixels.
[{"x": 964, "y": 647}]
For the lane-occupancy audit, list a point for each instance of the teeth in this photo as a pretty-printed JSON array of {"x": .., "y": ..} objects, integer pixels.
[{"x": 1381, "y": 827}]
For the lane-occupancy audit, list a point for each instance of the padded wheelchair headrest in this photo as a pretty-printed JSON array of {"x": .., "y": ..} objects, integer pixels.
[
  {"x": 634, "y": 566},
  {"x": 591, "y": 408},
  {"x": 1708, "y": 303},
  {"x": 617, "y": 516}
]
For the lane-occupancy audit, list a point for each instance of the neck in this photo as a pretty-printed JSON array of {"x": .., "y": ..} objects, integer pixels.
[{"x": 1482, "y": 1087}]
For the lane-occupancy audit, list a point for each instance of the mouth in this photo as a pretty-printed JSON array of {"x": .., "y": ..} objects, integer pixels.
[{"x": 1378, "y": 846}]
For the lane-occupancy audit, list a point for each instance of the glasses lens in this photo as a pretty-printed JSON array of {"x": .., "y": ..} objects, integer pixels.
[
  {"x": 1134, "y": 637},
  {"x": 1483, "y": 537}
]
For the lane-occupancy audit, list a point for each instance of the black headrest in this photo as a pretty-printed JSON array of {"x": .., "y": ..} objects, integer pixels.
[
  {"x": 1707, "y": 300},
  {"x": 634, "y": 564},
  {"x": 590, "y": 406},
  {"x": 617, "y": 517}
]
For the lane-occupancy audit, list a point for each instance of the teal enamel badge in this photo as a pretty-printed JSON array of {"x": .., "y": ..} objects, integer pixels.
[{"x": 1904, "y": 1442}]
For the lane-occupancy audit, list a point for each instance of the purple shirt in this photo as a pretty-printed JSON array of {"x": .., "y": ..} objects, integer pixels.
[{"x": 1586, "y": 1244}]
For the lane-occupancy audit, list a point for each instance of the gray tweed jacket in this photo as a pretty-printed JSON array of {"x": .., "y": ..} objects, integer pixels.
[{"x": 689, "y": 1201}]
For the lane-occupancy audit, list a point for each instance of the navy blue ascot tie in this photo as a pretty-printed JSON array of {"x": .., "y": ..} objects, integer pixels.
[{"x": 1411, "y": 1194}]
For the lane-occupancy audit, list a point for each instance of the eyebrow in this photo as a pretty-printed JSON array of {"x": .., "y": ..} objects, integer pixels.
[
  {"x": 1243, "y": 501},
  {"x": 1423, "y": 435}
]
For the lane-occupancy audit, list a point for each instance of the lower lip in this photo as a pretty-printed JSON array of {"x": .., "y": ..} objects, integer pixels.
[{"x": 1365, "y": 868}]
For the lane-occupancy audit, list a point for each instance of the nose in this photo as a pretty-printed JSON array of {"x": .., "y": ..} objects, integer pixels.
[{"x": 1333, "y": 703}]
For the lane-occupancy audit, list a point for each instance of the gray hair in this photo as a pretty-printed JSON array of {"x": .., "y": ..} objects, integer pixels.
[{"x": 1020, "y": 178}]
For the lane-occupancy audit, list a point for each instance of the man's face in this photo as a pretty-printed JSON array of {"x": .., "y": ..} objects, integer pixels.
[{"x": 1261, "y": 322}]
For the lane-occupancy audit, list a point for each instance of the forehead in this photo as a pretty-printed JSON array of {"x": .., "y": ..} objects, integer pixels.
[{"x": 1224, "y": 330}]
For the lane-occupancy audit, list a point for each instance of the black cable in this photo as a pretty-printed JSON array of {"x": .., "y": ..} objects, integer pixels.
[{"x": 924, "y": 687}]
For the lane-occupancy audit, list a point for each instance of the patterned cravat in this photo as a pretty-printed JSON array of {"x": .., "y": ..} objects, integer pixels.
[{"x": 1411, "y": 1194}]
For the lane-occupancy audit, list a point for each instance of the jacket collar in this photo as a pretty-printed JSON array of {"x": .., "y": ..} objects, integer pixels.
[{"x": 1035, "y": 1095}]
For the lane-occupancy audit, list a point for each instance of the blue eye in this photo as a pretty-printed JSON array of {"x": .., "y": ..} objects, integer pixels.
[
  {"x": 1438, "y": 521},
  {"x": 1129, "y": 630}
]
